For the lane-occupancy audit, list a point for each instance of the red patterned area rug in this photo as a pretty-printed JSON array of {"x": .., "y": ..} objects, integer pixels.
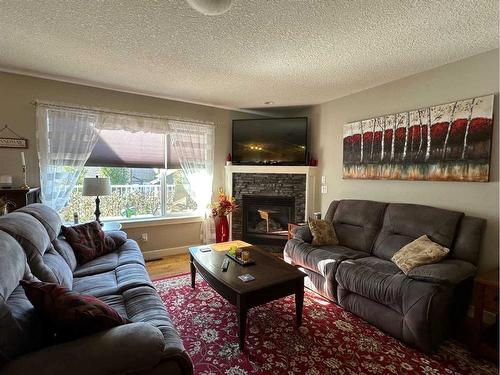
[{"x": 330, "y": 341}]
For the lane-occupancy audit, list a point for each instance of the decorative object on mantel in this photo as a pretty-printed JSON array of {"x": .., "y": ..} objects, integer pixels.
[
  {"x": 223, "y": 207},
  {"x": 5, "y": 182},
  {"x": 12, "y": 142},
  {"x": 229, "y": 159},
  {"x": 96, "y": 187},
  {"x": 24, "y": 186},
  {"x": 448, "y": 142}
]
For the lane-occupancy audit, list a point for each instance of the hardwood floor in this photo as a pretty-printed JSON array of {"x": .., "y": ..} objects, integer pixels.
[
  {"x": 173, "y": 265},
  {"x": 168, "y": 266}
]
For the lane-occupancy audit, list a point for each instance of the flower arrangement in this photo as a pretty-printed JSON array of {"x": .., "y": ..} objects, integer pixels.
[{"x": 224, "y": 205}]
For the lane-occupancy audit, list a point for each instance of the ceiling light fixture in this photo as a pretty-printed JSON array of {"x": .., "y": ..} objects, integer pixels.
[{"x": 210, "y": 7}]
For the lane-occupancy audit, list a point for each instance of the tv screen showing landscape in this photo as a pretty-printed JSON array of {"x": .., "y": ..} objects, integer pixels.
[{"x": 270, "y": 141}]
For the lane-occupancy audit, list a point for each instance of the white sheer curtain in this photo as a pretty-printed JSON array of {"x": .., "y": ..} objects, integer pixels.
[
  {"x": 194, "y": 146},
  {"x": 65, "y": 140}
]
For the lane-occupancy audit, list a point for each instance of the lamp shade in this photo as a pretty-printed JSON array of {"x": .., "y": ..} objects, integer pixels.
[{"x": 95, "y": 186}]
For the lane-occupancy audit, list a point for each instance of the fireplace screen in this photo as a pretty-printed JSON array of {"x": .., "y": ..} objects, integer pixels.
[{"x": 266, "y": 218}]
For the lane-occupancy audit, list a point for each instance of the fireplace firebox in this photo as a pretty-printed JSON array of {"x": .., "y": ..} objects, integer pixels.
[{"x": 266, "y": 218}]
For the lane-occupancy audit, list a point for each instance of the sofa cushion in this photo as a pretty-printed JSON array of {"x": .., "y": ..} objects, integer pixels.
[
  {"x": 322, "y": 232},
  {"x": 66, "y": 251},
  {"x": 115, "y": 281},
  {"x": 419, "y": 252},
  {"x": 142, "y": 304},
  {"x": 356, "y": 222},
  {"x": 61, "y": 273},
  {"x": 323, "y": 260},
  {"x": 88, "y": 241},
  {"x": 404, "y": 223},
  {"x": 33, "y": 238},
  {"x": 47, "y": 216},
  {"x": 303, "y": 233},
  {"x": 70, "y": 314},
  {"x": 21, "y": 330},
  {"x": 127, "y": 253},
  {"x": 374, "y": 279},
  {"x": 468, "y": 240}
]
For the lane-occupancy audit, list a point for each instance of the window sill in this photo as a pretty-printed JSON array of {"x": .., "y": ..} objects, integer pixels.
[{"x": 153, "y": 222}]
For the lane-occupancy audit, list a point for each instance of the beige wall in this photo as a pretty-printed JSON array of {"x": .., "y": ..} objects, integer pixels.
[
  {"x": 17, "y": 91},
  {"x": 475, "y": 76}
]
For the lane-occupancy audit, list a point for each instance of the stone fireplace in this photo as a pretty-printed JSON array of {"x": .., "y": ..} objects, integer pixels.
[{"x": 269, "y": 197}]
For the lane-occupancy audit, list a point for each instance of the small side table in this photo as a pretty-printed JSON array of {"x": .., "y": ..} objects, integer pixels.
[
  {"x": 109, "y": 226},
  {"x": 485, "y": 299}
]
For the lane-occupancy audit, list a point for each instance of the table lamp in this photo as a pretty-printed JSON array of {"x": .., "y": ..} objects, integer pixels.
[{"x": 96, "y": 187}]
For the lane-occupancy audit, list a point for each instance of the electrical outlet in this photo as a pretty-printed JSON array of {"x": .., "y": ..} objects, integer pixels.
[
  {"x": 144, "y": 237},
  {"x": 323, "y": 179},
  {"x": 324, "y": 189}
]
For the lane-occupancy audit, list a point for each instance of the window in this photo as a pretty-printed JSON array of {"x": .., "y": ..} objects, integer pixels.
[
  {"x": 142, "y": 155},
  {"x": 141, "y": 187},
  {"x": 136, "y": 193}
]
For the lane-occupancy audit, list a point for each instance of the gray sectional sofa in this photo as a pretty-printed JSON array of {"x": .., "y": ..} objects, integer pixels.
[
  {"x": 418, "y": 308},
  {"x": 31, "y": 247}
]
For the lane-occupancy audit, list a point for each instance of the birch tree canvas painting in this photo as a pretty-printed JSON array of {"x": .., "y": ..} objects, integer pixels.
[{"x": 447, "y": 142}]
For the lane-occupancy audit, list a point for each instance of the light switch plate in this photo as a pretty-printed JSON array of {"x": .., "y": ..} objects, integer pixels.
[
  {"x": 324, "y": 189},
  {"x": 323, "y": 179}
]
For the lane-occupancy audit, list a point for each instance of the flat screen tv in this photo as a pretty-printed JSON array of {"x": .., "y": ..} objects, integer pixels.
[{"x": 274, "y": 141}]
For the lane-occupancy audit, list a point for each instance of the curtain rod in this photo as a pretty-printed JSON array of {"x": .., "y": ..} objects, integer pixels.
[{"x": 115, "y": 112}]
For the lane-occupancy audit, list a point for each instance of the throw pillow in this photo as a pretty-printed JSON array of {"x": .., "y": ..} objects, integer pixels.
[
  {"x": 323, "y": 232},
  {"x": 70, "y": 314},
  {"x": 417, "y": 253},
  {"x": 88, "y": 241}
]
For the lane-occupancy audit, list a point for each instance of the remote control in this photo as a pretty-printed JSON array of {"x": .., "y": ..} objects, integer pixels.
[{"x": 225, "y": 265}]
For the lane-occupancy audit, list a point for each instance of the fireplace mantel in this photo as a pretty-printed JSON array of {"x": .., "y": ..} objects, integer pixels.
[{"x": 309, "y": 172}]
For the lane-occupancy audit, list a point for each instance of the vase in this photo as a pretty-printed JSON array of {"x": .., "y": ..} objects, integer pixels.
[{"x": 221, "y": 229}]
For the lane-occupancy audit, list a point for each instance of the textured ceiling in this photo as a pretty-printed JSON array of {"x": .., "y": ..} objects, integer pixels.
[{"x": 288, "y": 52}]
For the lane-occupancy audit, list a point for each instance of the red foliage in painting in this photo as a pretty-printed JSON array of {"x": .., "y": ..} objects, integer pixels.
[
  {"x": 347, "y": 141},
  {"x": 480, "y": 129},
  {"x": 438, "y": 131},
  {"x": 414, "y": 134},
  {"x": 457, "y": 131},
  {"x": 400, "y": 134},
  {"x": 367, "y": 137},
  {"x": 388, "y": 135}
]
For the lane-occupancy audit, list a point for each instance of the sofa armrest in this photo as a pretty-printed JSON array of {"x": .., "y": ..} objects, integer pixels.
[
  {"x": 131, "y": 348},
  {"x": 302, "y": 233},
  {"x": 448, "y": 271}
]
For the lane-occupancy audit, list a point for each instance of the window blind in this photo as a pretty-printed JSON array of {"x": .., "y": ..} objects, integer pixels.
[{"x": 121, "y": 148}]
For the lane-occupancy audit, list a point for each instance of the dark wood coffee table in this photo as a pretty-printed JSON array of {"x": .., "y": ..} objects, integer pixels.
[{"x": 273, "y": 279}]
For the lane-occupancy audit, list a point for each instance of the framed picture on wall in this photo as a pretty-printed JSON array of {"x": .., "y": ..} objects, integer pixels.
[{"x": 447, "y": 142}]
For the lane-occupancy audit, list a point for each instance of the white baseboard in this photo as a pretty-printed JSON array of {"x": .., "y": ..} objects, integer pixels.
[{"x": 161, "y": 253}]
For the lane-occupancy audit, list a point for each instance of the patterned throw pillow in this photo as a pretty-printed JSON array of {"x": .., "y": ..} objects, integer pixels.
[
  {"x": 417, "y": 253},
  {"x": 70, "y": 314},
  {"x": 323, "y": 233},
  {"x": 88, "y": 241}
]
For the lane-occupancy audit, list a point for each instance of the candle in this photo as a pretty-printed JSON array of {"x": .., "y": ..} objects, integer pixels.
[{"x": 23, "y": 160}]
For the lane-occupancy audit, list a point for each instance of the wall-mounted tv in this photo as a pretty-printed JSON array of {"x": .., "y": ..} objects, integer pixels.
[{"x": 273, "y": 141}]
